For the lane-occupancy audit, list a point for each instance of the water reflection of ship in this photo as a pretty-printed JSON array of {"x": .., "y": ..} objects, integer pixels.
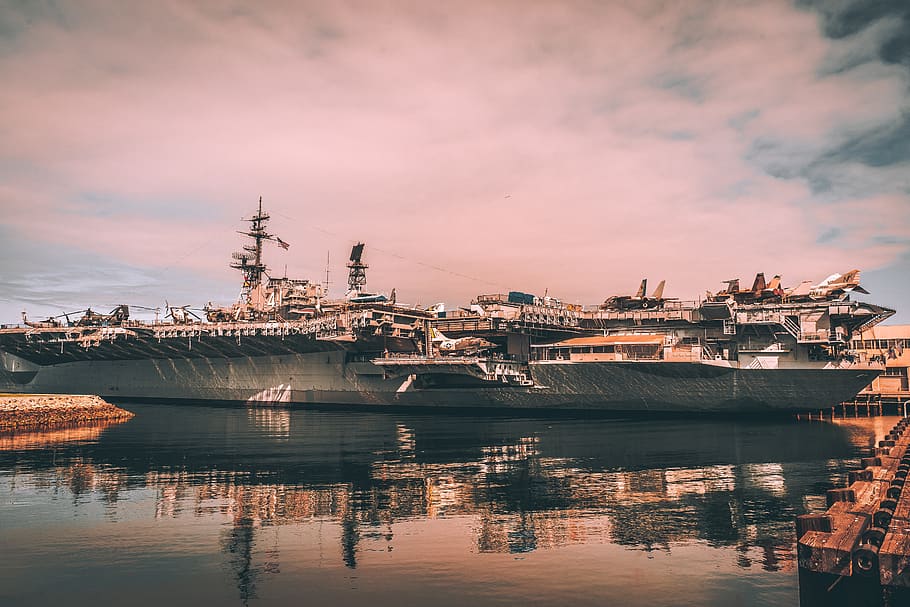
[
  {"x": 521, "y": 485},
  {"x": 523, "y": 509}
]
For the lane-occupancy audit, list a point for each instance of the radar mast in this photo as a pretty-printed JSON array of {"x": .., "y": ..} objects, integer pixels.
[
  {"x": 357, "y": 275},
  {"x": 249, "y": 260}
]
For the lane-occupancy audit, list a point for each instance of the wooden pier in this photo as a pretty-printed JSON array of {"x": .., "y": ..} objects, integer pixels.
[
  {"x": 866, "y": 529},
  {"x": 868, "y": 406}
]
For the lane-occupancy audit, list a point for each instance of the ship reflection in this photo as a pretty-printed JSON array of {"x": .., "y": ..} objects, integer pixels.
[{"x": 519, "y": 485}]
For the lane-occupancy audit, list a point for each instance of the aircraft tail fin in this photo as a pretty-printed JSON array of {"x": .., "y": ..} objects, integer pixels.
[
  {"x": 642, "y": 288},
  {"x": 851, "y": 276},
  {"x": 659, "y": 291}
]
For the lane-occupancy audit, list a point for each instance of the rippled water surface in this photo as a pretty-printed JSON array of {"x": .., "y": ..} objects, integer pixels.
[{"x": 187, "y": 505}]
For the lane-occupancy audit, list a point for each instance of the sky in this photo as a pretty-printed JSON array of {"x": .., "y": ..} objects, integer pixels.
[{"x": 568, "y": 148}]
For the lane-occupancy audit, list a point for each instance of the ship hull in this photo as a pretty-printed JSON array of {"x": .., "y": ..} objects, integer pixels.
[{"x": 330, "y": 378}]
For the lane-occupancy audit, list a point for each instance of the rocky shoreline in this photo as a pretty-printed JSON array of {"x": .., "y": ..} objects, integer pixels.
[{"x": 20, "y": 411}]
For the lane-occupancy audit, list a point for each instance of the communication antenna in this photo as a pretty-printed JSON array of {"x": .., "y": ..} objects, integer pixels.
[{"x": 325, "y": 291}]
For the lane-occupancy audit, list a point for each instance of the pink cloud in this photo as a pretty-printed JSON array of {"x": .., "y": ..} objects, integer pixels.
[{"x": 531, "y": 148}]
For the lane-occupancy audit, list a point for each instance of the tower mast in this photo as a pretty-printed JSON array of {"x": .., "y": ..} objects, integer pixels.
[{"x": 249, "y": 260}]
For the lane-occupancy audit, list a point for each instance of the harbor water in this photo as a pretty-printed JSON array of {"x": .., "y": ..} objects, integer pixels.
[{"x": 187, "y": 505}]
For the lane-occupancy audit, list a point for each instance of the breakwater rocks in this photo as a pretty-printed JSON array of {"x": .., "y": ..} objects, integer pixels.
[{"x": 44, "y": 410}]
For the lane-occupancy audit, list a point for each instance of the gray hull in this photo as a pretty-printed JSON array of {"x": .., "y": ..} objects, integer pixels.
[{"x": 329, "y": 378}]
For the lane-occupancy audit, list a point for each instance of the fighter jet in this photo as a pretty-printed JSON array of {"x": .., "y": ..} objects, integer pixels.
[
  {"x": 760, "y": 291},
  {"x": 639, "y": 301},
  {"x": 464, "y": 345},
  {"x": 838, "y": 286}
]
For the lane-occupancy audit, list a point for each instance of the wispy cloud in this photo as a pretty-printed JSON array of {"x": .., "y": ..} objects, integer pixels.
[{"x": 573, "y": 146}]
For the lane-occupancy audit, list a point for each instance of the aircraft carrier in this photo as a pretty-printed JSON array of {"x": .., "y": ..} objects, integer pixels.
[{"x": 284, "y": 342}]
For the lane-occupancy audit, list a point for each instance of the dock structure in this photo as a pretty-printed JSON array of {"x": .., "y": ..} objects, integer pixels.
[
  {"x": 866, "y": 529},
  {"x": 864, "y": 405}
]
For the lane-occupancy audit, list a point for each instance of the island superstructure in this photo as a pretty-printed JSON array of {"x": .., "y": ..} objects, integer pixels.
[{"x": 284, "y": 342}]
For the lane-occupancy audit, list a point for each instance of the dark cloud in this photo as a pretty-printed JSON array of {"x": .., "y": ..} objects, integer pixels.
[
  {"x": 740, "y": 121},
  {"x": 683, "y": 85},
  {"x": 882, "y": 146},
  {"x": 780, "y": 158},
  {"x": 16, "y": 16},
  {"x": 871, "y": 35},
  {"x": 849, "y": 17},
  {"x": 830, "y": 235}
]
